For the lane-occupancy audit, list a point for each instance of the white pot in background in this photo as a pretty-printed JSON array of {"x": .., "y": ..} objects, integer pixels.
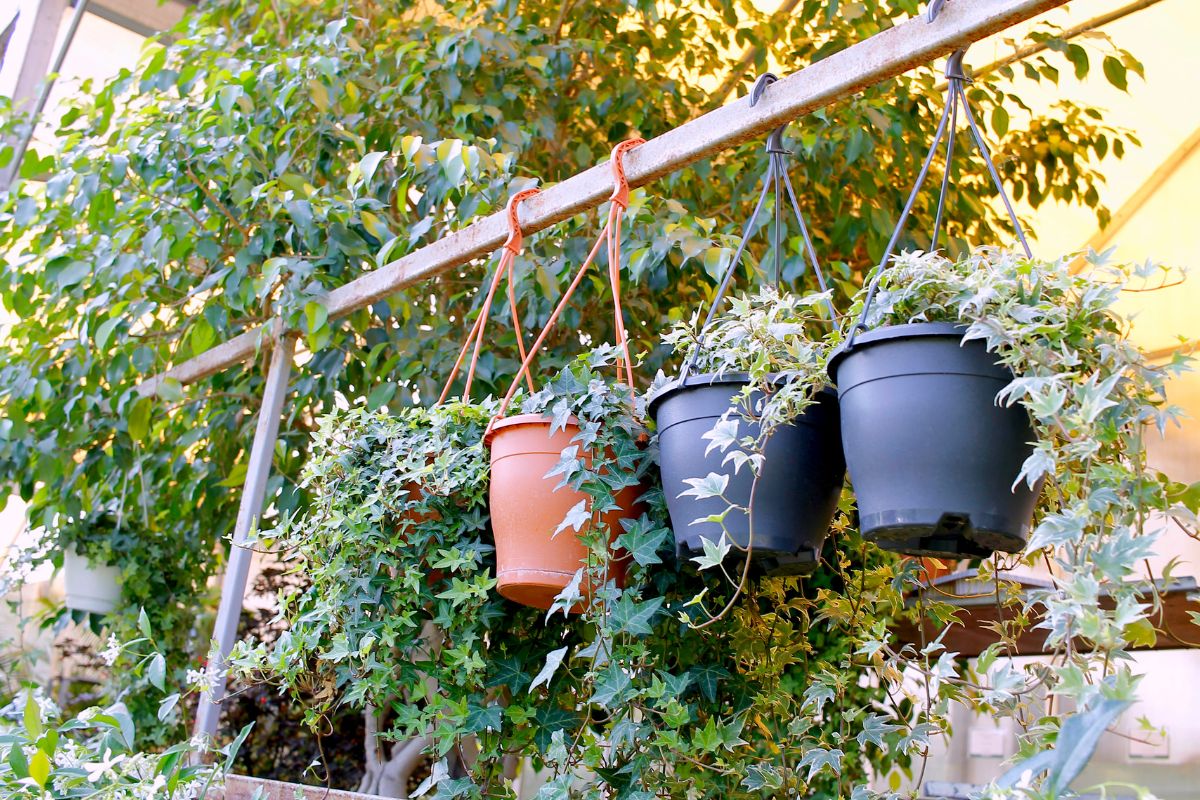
[{"x": 90, "y": 588}]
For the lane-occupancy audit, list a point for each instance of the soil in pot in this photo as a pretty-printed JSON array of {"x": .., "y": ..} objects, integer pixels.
[
  {"x": 95, "y": 588},
  {"x": 932, "y": 456},
  {"x": 796, "y": 495},
  {"x": 532, "y": 564}
]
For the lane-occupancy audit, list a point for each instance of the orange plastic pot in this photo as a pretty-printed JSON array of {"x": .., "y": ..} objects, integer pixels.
[
  {"x": 417, "y": 518},
  {"x": 532, "y": 564}
]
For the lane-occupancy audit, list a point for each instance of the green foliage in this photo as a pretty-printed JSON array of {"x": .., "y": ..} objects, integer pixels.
[
  {"x": 273, "y": 151},
  {"x": 45, "y": 753},
  {"x": 1091, "y": 395}
]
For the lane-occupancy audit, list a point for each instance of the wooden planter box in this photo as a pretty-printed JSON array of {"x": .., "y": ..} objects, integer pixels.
[{"x": 240, "y": 787}]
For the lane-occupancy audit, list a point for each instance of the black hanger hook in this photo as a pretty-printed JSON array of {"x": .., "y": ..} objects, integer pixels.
[{"x": 775, "y": 138}]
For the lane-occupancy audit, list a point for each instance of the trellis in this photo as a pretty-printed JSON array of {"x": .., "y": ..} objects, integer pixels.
[{"x": 835, "y": 78}]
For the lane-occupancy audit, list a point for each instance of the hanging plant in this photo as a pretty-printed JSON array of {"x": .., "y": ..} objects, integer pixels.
[
  {"x": 936, "y": 462},
  {"x": 542, "y": 523},
  {"x": 748, "y": 434}
]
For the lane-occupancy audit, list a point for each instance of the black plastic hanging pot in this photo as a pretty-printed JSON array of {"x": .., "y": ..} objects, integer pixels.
[
  {"x": 932, "y": 456},
  {"x": 798, "y": 489}
]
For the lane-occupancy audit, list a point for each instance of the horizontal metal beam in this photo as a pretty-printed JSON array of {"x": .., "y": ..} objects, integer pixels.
[
  {"x": 841, "y": 75},
  {"x": 143, "y": 17}
]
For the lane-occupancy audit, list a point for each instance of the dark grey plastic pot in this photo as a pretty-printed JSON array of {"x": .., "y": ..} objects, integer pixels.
[
  {"x": 797, "y": 493},
  {"x": 932, "y": 457}
]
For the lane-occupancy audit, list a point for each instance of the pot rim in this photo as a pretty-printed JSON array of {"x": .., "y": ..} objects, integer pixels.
[
  {"x": 887, "y": 333},
  {"x": 677, "y": 386},
  {"x": 524, "y": 419}
]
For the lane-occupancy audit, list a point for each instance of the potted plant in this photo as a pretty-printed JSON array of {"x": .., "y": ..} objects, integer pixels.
[
  {"x": 90, "y": 585},
  {"x": 91, "y": 577},
  {"x": 749, "y": 445},
  {"x": 575, "y": 426},
  {"x": 943, "y": 459},
  {"x": 566, "y": 475}
]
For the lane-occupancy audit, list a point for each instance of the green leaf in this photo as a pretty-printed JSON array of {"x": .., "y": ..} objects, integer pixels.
[
  {"x": 33, "y": 716},
  {"x": 157, "y": 671},
  {"x": 634, "y": 618},
  {"x": 138, "y": 423},
  {"x": 167, "y": 705},
  {"x": 1114, "y": 70},
  {"x": 72, "y": 274},
  {"x": 104, "y": 332},
  {"x": 144, "y": 624},
  {"x": 203, "y": 336},
  {"x": 315, "y": 315},
  {"x": 1000, "y": 120},
  {"x": 39, "y": 768}
]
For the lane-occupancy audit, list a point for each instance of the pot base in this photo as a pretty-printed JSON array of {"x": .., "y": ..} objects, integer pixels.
[{"x": 952, "y": 536}]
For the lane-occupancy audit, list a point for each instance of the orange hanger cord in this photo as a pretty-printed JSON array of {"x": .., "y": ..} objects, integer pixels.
[
  {"x": 510, "y": 250},
  {"x": 610, "y": 235}
]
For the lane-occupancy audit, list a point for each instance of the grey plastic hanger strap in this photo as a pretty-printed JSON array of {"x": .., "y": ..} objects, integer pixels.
[
  {"x": 775, "y": 177},
  {"x": 955, "y": 97}
]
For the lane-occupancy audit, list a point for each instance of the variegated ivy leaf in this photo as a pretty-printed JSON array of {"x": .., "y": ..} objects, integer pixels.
[
  {"x": 554, "y": 660},
  {"x": 711, "y": 485},
  {"x": 723, "y": 434},
  {"x": 576, "y": 518},
  {"x": 714, "y": 552}
]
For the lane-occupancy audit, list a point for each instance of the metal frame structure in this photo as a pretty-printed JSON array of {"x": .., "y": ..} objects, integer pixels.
[{"x": 885, "y": 55}]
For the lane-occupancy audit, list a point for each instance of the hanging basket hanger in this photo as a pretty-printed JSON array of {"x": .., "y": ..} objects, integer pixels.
[
  {"x": 956, "y": 100},
  {"x": 610, "y": 235},
  {"x": 508, "y": 255},
  {"x": 776, "y": 177}
]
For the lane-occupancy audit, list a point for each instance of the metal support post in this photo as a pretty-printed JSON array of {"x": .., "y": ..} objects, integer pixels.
[{"x": 233, "y": 589}]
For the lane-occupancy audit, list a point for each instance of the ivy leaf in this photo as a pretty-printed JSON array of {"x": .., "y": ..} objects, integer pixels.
[
  {"x": 711, "y": 485},
  {"x": 548, "y": 720},
  {"x": 819, "y": 758},
  {"x": 875, "y": 727},
  {"x": 762, "y": 776},
  {"x": 632, "y": 617},
  {"x": 722, "y": 436},
  {"x": 714, "y": 553},
  {"x": 611, "y": 687},
  {"x": 508, "y": 672},
  {"x": 816, "y": 696},
  {"x": 484, "y": 718},
  {"x": 554, "y": 659},
  {"x": 707, "y": 677},
  {"x": 576, "y": 518},
  {"x": 643, "y": 541}
]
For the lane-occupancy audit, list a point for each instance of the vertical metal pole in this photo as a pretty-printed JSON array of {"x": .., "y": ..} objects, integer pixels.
[{"x": 233, "y": 589}]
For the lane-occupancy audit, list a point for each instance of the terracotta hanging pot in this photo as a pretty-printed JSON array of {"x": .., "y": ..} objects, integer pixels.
[{"x": 532, "y": 563}]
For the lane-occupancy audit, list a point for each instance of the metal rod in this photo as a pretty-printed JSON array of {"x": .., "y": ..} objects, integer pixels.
[
  {"x": 14, "y": 168},
  {"x": 237, "y": 570},
  {"x": 829, "y": 80}
]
